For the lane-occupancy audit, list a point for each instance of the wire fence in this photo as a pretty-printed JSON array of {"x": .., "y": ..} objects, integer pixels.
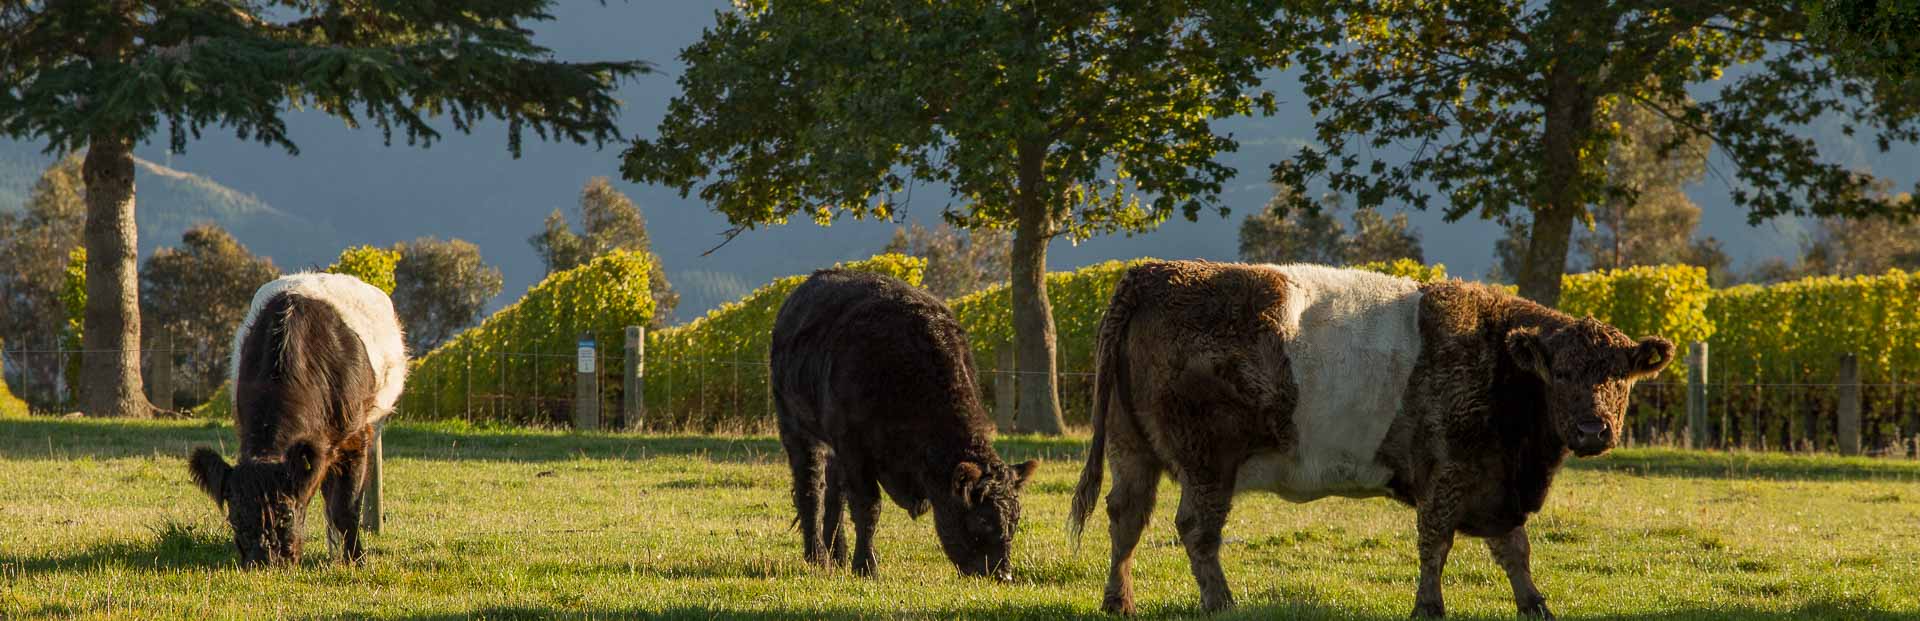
[{"x": 680, "y": 392}]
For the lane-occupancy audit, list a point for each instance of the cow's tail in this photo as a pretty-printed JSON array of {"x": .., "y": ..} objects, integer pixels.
[{"x": 1109, "y": 385}]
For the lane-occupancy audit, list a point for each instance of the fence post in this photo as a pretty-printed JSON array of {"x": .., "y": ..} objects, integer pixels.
[
  {"x": 586, "y": 387},
  {"x": 370, "y": 494},
  {"x": 1003, "y": 387},
  {"x": 1697, "y": 393},
  {"x": 1849, "y": 427},
  {"x": 633, "y": 404},
  {"x": 163, "y": 372}
]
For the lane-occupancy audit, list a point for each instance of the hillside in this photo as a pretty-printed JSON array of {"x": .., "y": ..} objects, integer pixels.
[{"x": 169, "y": 201}]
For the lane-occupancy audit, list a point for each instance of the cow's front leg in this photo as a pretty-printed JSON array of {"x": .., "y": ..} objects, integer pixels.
[
  {"x": 1203, "y": 513},
  {"x": 1513, "y": 552},
  {"x": 342, "y": 489},
  {"x": 863, "y": 504},
  {"x": 1438, "y": 517}
]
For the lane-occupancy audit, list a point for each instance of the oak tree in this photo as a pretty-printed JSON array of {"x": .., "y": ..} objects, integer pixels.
[
  {"x": 1500, "y": 107},
  {"x": 1051, "y": 119}
]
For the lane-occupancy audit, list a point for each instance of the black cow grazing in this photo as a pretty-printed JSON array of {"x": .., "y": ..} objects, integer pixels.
[
  {"x": 1457, "y": 399},
  {"x": 874, "y": 386},
  {"x": 318, "y": 360}
]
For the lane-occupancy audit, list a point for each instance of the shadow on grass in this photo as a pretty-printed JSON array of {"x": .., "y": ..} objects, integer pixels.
[
  {"x": 65, "y": 439},
  {"x": 1749, "y": 465},
  {"x": 62, "y": 439},
  {"x": 1818, "y": 610},
  {"x": 174, "y": 546}
]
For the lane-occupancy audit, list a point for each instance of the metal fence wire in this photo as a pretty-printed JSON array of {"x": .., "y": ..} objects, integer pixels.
[{"x": 684, "y": 392}]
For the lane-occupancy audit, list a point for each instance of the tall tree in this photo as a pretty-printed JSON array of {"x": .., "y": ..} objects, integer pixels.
[
  {"x": 34, "y": 246},
  {"x": 199, "y": 293},
  {"x": 1852, "y": 247},
  {"x": 609, "y": 221},
  {"x": 1296, "y": 236},
  {"x": 1046, "y": 118},
  {"x": 958, "y": 262},
  {"x": 1379, "y": 238},
  {"x": 1279, "y": 235},
  {"x": 1652, "y": 223},
  {"x": 440, "y": 287},
  {"x": 1502, "y": 107},
  {"x": 102, "y": 76}
]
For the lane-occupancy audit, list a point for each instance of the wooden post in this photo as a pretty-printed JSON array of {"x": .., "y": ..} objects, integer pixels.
[
  {"x": 370, "y": 493},
  {"x": 586, "y": 387},
  {"x": 633, "y": 404},
  {"x": 1697, "y": 394},
  {"x": 1849, "y": 410},
  {"x": 1003, "y": 388}
]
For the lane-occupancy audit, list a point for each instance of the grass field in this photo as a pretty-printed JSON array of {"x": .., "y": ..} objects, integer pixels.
[{"x": 97, "y": 519}]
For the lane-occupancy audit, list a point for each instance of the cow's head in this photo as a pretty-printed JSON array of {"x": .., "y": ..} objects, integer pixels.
[
  {"x": 1588, "y": 368},
  {"x": 977, "y": 518},
  {"x": 263, "y": 500}
]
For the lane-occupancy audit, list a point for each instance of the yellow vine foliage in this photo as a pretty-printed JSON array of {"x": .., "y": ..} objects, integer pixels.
[
  {"x": 518, "y": 364},
  {"x": 710, "y": 374}
]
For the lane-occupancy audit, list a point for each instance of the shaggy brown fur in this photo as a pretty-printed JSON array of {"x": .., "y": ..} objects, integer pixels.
[
  {"x": 873, "y": 383},
  {"x": 1191, "y": 380},
  {"x": 302, "y": 394}
]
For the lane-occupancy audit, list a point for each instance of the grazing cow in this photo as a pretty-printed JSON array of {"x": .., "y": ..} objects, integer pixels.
[
  {"x": 317, "y": 362},
  {"x": 1455, "y": 398},
  {"x": 873, "y": 382}
]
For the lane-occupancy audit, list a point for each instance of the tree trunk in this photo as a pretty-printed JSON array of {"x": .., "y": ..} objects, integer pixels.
[
  {"x": 1569, "y": 119},
  {"x": 110, "y": 368},
  {"x": 1033, "y": 338}
]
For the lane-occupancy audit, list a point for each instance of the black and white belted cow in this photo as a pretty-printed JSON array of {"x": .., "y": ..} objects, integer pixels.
[
  {"x": 317, "y": 362},
  {"x": 1455, "y": 398}
]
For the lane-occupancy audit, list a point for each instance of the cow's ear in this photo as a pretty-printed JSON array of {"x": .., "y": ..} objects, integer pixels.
[
  {"x": 1524, "y": 346},
  {"x": 1653, "y": 354},
  {"x": 965, "y": 476},
  {"x": 303, "y": 465},
  {"x": 209, "y": 473},
  {"x": 1024, "y": 471}
]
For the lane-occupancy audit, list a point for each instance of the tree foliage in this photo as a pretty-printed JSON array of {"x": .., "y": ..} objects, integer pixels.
[
  {"x": 104, "y": 76},
  {"x": 609, "y": 221},
  {"x": 1046, "y": 118},
  {"x": 440, "y": 288},
  {"x": 193, "y": 298},
  {"x": 34, "y": 244},
  {"x": 1500, "y": 106},
  {"x": 371, "y": 264},
  {"x": 1279, "y": 235},
  {"x": 958, "y": 262}
]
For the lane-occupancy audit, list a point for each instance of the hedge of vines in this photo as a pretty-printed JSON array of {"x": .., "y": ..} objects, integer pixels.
[
  {"x": 370, "y": 264},
  {"x": 518, "y": 366},
  {"x": 711, "y": 374},
  {"x": 1775, "y": 345},
  {"x": 1079, "y": 299}
]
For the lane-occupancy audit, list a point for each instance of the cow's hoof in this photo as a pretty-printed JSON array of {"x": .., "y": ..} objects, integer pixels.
[
  {"x": 1118, "y": 605},
  {"x": 1536, "y": 611},
  {"x": 1216, "y": 603},
  {"x": 1429, "y": 611},
  {"x": 865, "y": 567}
]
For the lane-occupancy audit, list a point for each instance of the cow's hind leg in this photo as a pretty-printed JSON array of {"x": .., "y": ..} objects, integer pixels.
[
  {"x": 832, "y": 533},
  {"x": 1513, "y": 554},
  {"x": 1204, "y": 503},
  {"x": 808, "y": 460},
  {"x": 1136, "y": 480},
  {"x": 342, "y": 489},
  {"x": 863, "y": 502}
]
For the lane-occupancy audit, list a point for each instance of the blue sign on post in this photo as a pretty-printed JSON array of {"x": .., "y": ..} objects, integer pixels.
[{"x": 586, "y": 356}]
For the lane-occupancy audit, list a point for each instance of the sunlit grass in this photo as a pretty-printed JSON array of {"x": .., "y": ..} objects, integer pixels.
[{"x": 97, "y": 519}]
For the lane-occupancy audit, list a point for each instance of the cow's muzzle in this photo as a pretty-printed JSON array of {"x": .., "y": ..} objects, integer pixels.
[{"x": 1591, "y": 438}]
